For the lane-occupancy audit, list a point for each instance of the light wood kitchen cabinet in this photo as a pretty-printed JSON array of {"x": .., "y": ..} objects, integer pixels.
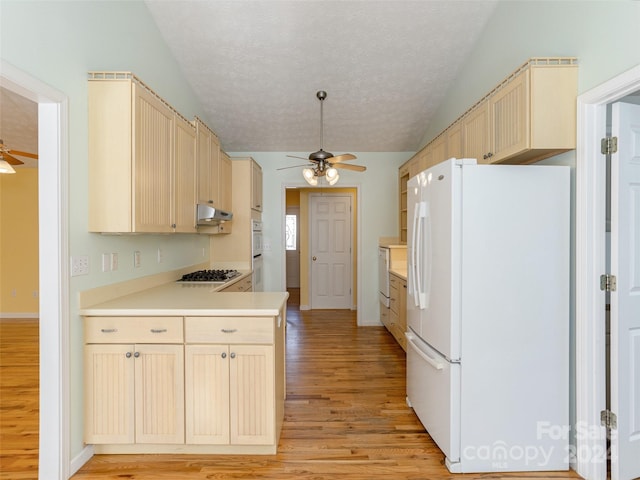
[
  {"x": 233, "y": 393},
  {"x": 402, "y": 188},
  {"x": 208, "y": 164},
  {"x": 475, "y": 133},
  {"x": 230, "y": 394},
  {"x": 134, "y": 391},
  {"x": 438, "y": 149},
  {"x": 256, "y": 186},
  {"x": 204, "y": 384},
  {"x": 225, "y": 182},
  {"x": 397, "y": 324},
  {"x": 243, "y": 285},
  {"x": 530, "y": 116},
  {"x": 133, "y": 174},
  {"x": 236, "y": 247},
  {"x": 185, "y": 177},
  {"x": 454, "y": 140}
]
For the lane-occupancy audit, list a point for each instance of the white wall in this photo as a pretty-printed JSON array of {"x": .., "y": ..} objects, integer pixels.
[
  {"x": 378, "y": 215},
  {"x": 57, "y": 43}
]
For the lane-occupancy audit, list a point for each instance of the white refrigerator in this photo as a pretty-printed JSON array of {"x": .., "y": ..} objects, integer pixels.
[{"x": 488, "y": 313}]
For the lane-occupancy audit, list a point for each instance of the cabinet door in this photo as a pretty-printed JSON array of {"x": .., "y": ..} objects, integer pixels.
[
  {"x": 252, "y": 394},
  {"x": 402, "y": 314},
  {"x": 109, "y": 394},
  {"x": 475, "y": 137},
  {"x": 153, "y": 163},
  {"x": 159, "y": 393},
  {"x": 185, "y": 177},
  {"x": 256, "y": 187},
  {"x": 438, "y": 150},
  {"x": 207, "y": 394},
  {"x": 224, "y": 182},
  {"x": 509, "y": 112},
  {"x": 203, "y": 163},
  {"x": 454, "y": 141}
]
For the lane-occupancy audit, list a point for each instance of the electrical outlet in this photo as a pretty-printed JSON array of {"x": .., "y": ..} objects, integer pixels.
[
  {"x": 160, "y": 256},
  {"x": 80, "y": 265},
  {"x": 106, "y": 262},
  {"x": 114, "y": 262},
  {"x": 137, "y": 261}
]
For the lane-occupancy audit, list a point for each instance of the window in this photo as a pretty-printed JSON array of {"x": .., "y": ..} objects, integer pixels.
[{"x": 290, "y": 232}]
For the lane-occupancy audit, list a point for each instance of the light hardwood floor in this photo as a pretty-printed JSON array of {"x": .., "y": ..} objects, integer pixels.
[
  {"x": 19, "y": 353},
  {"x": 345, "y": 418}
]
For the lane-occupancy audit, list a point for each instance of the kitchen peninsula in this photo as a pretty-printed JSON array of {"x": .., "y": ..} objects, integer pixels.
[{"x": 184, "y": 368}]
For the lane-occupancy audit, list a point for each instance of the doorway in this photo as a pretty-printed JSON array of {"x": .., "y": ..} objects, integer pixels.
[
  {"x": 53, "y": 267},
  {"x": 299, "y": 196},
  {"x": 591, "y": 262}
]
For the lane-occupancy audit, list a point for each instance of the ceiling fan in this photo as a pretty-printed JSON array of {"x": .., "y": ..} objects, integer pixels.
[
  {"x": 325, "y": 164},
  {"x": 7, "y": 158}
]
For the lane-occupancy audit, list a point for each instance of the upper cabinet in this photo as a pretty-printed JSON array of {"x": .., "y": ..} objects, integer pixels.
[
  {"x": 208, "y": 162},
  {"x": 141, "y": 159},
  {"x": 531, "y": 115},
  {"x": 256, "y": 186}
]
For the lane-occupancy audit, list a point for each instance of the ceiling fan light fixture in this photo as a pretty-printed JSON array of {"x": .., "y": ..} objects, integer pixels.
[
  {"x": 5, "y": 167},
  {"x": 334, "y": 180},
  {"x": 310, "y": 176},
  {"x": 331, "y": 173}
]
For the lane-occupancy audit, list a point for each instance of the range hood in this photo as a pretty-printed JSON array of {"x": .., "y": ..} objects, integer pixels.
[{"x": 208, "y": 216}]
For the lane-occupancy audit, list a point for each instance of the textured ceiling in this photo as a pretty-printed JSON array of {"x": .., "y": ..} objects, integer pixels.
[
  {"x": 257, "y": 65},
  {"x": 19, "y": 124}
]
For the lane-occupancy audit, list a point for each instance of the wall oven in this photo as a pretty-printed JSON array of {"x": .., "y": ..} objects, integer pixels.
[{"x": 256, "y": 255}]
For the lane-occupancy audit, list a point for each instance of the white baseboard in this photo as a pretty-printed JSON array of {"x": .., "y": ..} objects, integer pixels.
[
  {"x": 79, "y": 460},
  {"x": 20, "y": 315},
  {"x": 305, "y": 307}
]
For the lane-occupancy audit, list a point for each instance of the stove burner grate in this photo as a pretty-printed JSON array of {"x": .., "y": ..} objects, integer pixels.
[{"x": 209, "y": 276}]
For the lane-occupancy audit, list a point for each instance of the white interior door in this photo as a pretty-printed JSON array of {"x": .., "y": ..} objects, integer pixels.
[
  {"x": 330, "y": 223},
  {"x": 625, "y": 300},
  {"x": 293, "y": 248}
]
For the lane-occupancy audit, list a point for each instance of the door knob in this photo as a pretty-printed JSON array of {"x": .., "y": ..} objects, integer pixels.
[{"x": 314, "y": 258}]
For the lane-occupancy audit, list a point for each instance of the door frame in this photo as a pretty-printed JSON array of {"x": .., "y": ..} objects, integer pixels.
[
  {"x": 590, "y": 264},
  {"x": 358, "y": 229},
  {"x": 288, "y": 210},
  {"x": 53, "y": 192},
  {"x": 310, "y": 236}
]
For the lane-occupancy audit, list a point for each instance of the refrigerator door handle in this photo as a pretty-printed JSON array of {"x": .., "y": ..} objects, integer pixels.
[
  {"x": 431, "y": 361},
  {"x": 415, "y": 288},
  {"x": 418, "y": 250}
]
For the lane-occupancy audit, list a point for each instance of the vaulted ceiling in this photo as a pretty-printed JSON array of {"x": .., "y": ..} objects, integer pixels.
[{"x": 256, "y": 67}]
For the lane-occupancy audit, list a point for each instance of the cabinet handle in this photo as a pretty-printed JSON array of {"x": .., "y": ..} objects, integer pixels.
[
  {"x": 158, "y": 330},
  {"x": 108, "y": 330},
  {"x": 227, "y": 330},
  {"x": 173, "y": 225},
  {"x": 128, "y": 355},
  {"x": 210, "y": 201},
  {"x": 224, "y": 355},
  {"x": 233, "y": 355},
  {"x": 137, "y": 354}
]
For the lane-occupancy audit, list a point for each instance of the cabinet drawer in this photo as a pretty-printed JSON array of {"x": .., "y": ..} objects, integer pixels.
[
  {"x": 229, "y": 330},
  {"x": 133, "y": 330}
]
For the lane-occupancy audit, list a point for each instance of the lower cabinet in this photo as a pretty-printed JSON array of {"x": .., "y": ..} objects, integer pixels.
[
  {"x": 216, "y": 386},
  {"x": 244, "y": 285},
  {"x": 397, "y": 321},
  {"x": 230, "y": 394},
  {"x": 134, "y": 393}
]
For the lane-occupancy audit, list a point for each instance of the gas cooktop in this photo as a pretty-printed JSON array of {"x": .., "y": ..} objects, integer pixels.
[{"x": 210, "y": 276}]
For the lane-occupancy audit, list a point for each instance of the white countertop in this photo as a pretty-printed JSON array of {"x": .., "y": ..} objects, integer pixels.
[
  {"x": 399, "y": 271},
  {"x": 195, "y": 299}
]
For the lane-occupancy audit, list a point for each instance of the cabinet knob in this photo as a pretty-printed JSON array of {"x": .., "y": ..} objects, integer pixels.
[
  {"x": 233, "y": 355},
  {"x": 210, "y": 201},
  {"x": 173, "y": 225},
  {"x": 128, "y": 355},
  {"x": 224, "y": 355},
  {"x": 137, "y": 354}
]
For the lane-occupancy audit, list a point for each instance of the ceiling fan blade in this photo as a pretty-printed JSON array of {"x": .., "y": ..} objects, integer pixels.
[
  {"x": 342, "y": 158},
  {"x": 346, "y": 166},
  {"x": 296, "y": 166},
  {"x": 11, "y": 160},
  {"x": 294, "y": 156},
  {"x": 23, "y": 154}
]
